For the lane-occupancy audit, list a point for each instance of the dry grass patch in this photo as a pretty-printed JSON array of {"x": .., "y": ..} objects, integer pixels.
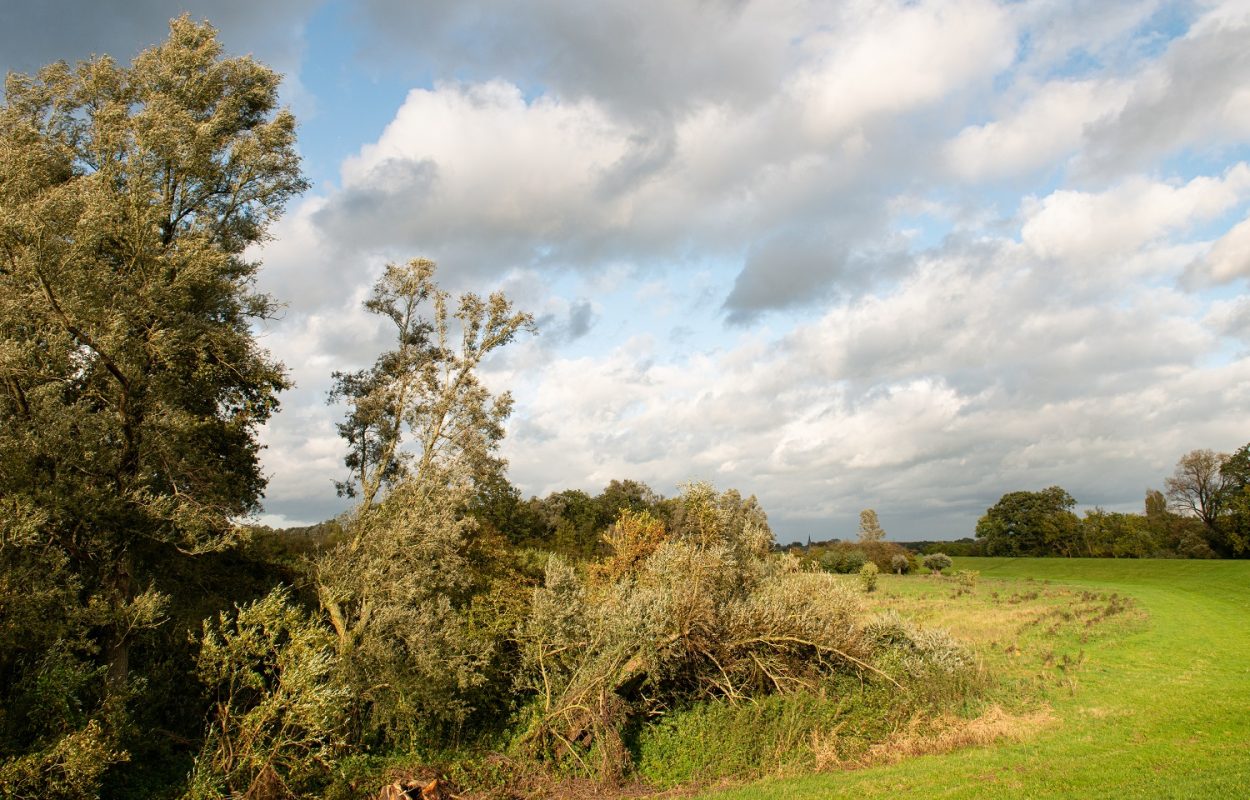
[{"x": 934, "y": 736}]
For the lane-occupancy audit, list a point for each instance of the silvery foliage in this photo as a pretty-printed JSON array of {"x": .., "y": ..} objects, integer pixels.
[
  {"x": 279, "y": 710},
  {"x": 422, "y": 432},
  {"x": 918, "y": 651},
  {"x": 404, "y": 641},
  {"x": 708, "y": 613}
]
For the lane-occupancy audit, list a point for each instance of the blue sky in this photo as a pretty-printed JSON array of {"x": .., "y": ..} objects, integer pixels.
[{"x": 898, "y": 255}]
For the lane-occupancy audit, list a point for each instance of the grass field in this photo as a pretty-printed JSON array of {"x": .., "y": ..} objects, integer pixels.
[{"x": 1155, "y": 704}]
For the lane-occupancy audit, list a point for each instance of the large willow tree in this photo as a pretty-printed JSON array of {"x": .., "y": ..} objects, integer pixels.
[{"x": 131, "y": 385}]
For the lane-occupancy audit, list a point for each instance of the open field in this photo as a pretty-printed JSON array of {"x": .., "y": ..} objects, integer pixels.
[{"x": 1154, "y": 702}]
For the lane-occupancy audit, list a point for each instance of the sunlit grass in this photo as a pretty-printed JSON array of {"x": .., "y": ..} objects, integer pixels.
[{"x": 1150, "y": 699}]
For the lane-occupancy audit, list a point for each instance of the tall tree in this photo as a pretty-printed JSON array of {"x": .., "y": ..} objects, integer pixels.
[
  {"x": 426, "y": 389},
  {"x": 423, "y": 434},
  {"x": 1198, "y": 485},
  {"x": 870, "y": 527},
  {"x": 1234, "y": 529},
  {"x": 1031, "y": 524},
  {"x": 132, "y": 386}
]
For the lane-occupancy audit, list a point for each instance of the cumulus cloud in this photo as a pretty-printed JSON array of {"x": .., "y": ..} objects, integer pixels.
[
  {"x": 1093, "y": 35},
  {"x": 481, "y": 173},
  {"x": 793, "y": 181},
  {"x": 899, "y": 336},
  {"x": 900, "y": 57},
  {"x": 906, "y": 255},
  {"x": 1228, "y": 258},
  {"x": 636, "y": 57},
  {"x": 1046, "y": 127},
  {"x": 1085, "y": 227},
  {"x": 963, "y": 382},
  {"x": 1196, "y": 93}
]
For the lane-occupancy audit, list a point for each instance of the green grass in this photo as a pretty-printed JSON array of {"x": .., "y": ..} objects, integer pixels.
[{"x": 1158, "y": 707}]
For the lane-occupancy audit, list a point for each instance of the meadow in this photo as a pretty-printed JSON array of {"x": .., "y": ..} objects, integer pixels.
[{"x": 1117, "y": 678}]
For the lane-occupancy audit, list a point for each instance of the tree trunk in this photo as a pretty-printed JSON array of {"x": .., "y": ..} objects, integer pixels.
[{"x": 117, "y": 651}]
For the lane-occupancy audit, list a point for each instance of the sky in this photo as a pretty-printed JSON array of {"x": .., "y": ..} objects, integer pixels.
[{"x": 879, "y": 254}]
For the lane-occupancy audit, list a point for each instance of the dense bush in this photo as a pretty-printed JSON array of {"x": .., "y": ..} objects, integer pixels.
[
  {"x": 279, "y": 713},
  {"x": 398, "y": 603},
  {"x": 936, "y": 562},
  {"x": 675, "y": 616},
  {"x": 868, "y": 577},
  {"x": 843, "y": 558}
]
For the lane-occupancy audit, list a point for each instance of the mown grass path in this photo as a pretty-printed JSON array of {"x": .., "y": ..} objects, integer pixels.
[{"x": 1163, "y": 712}]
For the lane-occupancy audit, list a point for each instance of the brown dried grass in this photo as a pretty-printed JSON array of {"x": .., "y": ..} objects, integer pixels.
[{"x": 934, "y": 736}]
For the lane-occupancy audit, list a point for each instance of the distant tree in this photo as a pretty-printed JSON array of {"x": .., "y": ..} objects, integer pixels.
[
  {"x": 900, "y": 564},
  {"x": 498, "y": 504},
  {"x": 958, "y": 547},
  {"x": 625, "y": 495},
  {"x": 1031, "y": 524},
  {"x": 1198, "y": 485},
  {"x": 575, "y": 520},
  {"x": 936, "y": 562},
  {"x": 869, "y": 527},
  {"x": 1157, "y": 512},
  {"x": 1111, "y": 533},
  {"x": 843, "y": 558},
  {"x": 1233, "y": 533}
]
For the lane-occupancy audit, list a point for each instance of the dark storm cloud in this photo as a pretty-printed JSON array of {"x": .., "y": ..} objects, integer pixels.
[
  {"x": 38, "y": 32},
  {"x": 640, "y": 58}
]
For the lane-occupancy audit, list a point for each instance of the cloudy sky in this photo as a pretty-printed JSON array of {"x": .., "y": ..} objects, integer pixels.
[{"x": 873, "y": 253}]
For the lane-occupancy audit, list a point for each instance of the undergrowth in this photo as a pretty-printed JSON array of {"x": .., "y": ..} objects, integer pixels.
[
  {"x": 1010, "y": 646},
  {"x": 1027, "y": 644}
]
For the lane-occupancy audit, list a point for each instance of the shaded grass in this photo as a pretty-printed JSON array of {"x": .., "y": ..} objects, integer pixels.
[{"x": 1153, "y": 703}]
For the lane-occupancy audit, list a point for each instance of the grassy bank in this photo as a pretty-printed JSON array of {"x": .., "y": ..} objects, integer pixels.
[{"x": 1155, "y": 706}]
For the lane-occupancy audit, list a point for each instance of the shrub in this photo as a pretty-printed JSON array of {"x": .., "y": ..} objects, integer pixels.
[
  {"x": 938, "y": 670},
  {"x": 868, "y": 577},
  {"x": 883, "y": 553},
  {"x": 676, "y": 618},
  {"x": 720, "y": 739},
  {"x": 71, "y": 768},
  {"x": 706, "y": 613},
  {"x": 279, "y": 714},
  {"x": 843, "y": 558},
  {"x": 937, "y": 562},
  {"x": 900, "y": 564}
]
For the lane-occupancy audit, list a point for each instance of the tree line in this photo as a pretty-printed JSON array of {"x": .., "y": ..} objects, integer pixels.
[{"x": 1204, "y": 512}]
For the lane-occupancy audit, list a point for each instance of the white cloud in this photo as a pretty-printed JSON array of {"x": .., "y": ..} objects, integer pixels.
[
  {"x": 933, "y": 368},
  {"x": 1084, "y": 227},
  {"x": 1193, "y": 96},
  {"x": 899, "y": 57},
  {"x": 965, "y": 381},
  {"x": 1229, "y": 257},
  {"x": 1043, "y": 130},
  {"x": 494, "y": 156}
]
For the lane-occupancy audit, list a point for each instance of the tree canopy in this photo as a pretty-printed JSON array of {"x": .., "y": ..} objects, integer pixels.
[
  {"x": 1031, "y": 524},
  {"x": 132, "y": 385}
]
